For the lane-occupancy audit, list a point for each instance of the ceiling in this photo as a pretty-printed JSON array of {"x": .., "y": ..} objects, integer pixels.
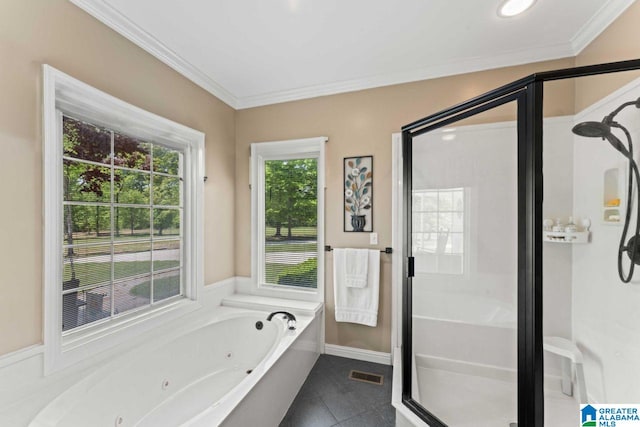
[{"x": 258, "y": 52}]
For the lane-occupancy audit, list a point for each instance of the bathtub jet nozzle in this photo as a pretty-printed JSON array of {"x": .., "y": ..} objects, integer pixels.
[{"x": 291, "y": 319}]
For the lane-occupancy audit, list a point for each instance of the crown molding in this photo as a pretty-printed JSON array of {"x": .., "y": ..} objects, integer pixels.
[
  {"x": 480, "y": 63},
  {"x": 604, "y": 17},
  {"x": 112, "y": 18}
]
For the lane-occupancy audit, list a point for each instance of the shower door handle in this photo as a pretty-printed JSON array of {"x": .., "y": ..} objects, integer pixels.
[{"x": 410, "y": 266}]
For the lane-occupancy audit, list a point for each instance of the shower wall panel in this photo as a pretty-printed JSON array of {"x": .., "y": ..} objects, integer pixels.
[{"x": 606, "y": 312}]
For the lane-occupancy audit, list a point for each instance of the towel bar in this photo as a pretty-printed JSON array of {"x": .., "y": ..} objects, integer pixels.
[{"x": 387, "y": 250}]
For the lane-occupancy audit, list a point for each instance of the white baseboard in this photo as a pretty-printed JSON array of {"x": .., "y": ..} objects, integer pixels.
[{"x": 358, "y": 354}]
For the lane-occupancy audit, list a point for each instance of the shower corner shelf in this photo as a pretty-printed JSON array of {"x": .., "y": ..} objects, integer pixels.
[{"x": 564, "y": 237}]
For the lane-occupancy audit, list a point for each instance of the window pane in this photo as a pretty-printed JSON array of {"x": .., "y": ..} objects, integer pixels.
[
  {"x": 113, "y": 169},
  {"x": 418, "y": 222},
  {"x": 87, "y": 265},
  {"x": 80, "y": 308},
  {"x": 131, "y": 223},
  {"x": 130, "y": 294},
  {"x": 130, "y": 152},
  {"x": 166, "y": 254},
  {"x": 430, "y": 222},
  {"x": 166, "y": 222},
  {"x": 438, "y": 229},
  {"x": 131, "y": 259},
  {"x": 86, "y": 141},
  {"x": 84, "y": 182},
  {"x": 166, "y": 190},
  {"x": 430, "y": 201},
  {"x": 86, "y": 224},
  {"x": 445, "y": 201},
  {"x": 291, "y": 213},
  {"x": 131, "y": 187},
  {"x": 417, "y": 201},
  {"x": 445, "y": 221},
  {"x": 458, "y": 222},
  {"x": 165, "y": 160},
  {"x": 166, "y": 285}
]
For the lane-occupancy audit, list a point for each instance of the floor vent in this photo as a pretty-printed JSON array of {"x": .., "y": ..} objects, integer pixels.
[{"x": 366, "y": 377}]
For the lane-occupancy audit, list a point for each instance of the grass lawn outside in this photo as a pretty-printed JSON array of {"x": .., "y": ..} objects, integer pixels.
[
  {"x": 296, "y": 232},
  {"x": 92, "y": 273},
  {"x": 272, "y": 271},
  {"x": 291, "y": 247},
  {"x": 163, "y": 288},
  {"x": 103, "y": 242}
]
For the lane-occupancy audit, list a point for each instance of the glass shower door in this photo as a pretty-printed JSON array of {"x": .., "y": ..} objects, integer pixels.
[{"x": 464, "y": 291}]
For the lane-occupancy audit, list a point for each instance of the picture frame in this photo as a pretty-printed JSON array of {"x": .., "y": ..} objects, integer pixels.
[{"x": 357, "y": 193}]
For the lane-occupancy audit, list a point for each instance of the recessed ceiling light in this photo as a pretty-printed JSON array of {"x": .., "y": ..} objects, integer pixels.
[{"x": 511, "y": 8}]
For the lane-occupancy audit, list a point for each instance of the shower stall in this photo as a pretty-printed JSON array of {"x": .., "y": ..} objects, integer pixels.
[{"x": 492, "y": 292}]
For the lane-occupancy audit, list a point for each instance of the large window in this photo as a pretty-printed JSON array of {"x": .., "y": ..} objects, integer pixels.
[
  {"x": 123, "y": 220},
  {"x": 122, "y": 202},
  {"x": 287, "y": 210}
]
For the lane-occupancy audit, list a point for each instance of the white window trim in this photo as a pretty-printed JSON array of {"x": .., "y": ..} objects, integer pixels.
[
  {"x": 279, "y": 150},
  {"x": 64, "y": 93}
]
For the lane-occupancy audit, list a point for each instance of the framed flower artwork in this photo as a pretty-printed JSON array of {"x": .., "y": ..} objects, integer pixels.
[{"x": 358, "y": 194}]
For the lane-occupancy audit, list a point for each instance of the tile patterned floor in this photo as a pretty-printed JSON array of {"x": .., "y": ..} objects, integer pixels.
[{"x": 328, "y": 398}]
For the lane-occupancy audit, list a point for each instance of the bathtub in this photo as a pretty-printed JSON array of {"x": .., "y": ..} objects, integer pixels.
[{"x": 208, "y": 376}]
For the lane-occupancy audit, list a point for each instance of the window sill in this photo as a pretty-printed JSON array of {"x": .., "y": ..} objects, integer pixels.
[
  {"x": 75, "y": 347},
  {"x": 285, "y": 288},
  {"x": 250, "y": 286}
]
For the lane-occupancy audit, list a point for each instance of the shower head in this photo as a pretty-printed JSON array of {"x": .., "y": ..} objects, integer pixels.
[
  {"x": 603, "y": 130},
  {"x": 600, "y": 130},
  {"x": 592, "y": 129}
]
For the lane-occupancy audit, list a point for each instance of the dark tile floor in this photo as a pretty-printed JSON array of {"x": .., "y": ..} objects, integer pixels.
[{"x": 329, "y": 398}]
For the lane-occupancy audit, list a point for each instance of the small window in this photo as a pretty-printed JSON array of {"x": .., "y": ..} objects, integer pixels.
[
  {"x": 438, "y": 230},
  {"x": 291, "y": 222},
  {"x": 287, "y": 210}
]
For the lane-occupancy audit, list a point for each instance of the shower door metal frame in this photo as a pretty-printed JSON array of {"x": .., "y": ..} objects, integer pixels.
[{"x": 528, "y": 93}]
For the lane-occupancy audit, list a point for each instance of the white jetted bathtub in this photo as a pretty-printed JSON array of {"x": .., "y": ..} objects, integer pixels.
[{"x": 201, "y": 378}]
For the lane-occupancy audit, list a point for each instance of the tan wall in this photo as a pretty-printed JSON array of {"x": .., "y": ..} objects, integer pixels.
[
  {"x": 361, "y": 123},
  {"x": 619, "y": 42},
  {"x": 56, "y": 32}
]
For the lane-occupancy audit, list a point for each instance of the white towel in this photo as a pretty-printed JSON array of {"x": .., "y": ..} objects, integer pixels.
[
  {"x": 356, "y": 266},
  {"x": 356, "y": 305}
]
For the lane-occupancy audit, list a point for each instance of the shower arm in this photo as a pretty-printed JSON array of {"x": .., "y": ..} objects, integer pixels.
[{"x": 608, "y": 119}]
